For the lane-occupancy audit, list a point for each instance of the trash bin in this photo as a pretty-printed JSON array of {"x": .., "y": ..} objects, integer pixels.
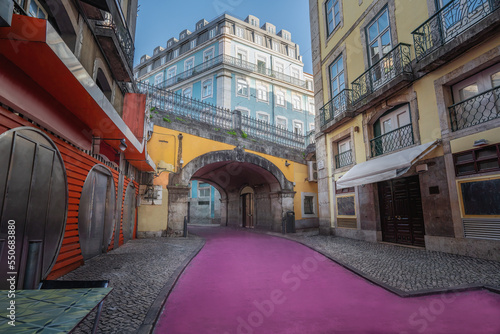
[{"x": 289, "y": 222}]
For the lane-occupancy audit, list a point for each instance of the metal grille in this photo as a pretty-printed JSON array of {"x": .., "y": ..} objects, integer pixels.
[
  {"x": 393, "y": 140},
  {"x": 347, "y": 222},
  {"x": 343, "y": 159},
  {"x": 482, "y": 229},
  {"x": 336, "y": 107},
  {"x": 255, "y": 128},
  {"x": 169, "y": 103},
  {"x": 475, "y": 110},
  {"x": 449, "y": 22},
  {"x": 394, "y": 63},
  {"x": 228, "y": 60}
]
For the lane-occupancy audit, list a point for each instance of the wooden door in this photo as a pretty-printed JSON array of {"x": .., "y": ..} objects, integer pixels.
[
  {"x": 401, "y": 211},
  {"x": 248, "y": 210}
]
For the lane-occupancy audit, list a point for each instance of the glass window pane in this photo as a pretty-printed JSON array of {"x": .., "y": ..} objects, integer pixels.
[
  {"x": 333, "y": 71},
  {"x": 469, "y": 91},
  {"x": 372, "y": 32},
  {"x": 495, "y": 79},
  {"x": 374, "y": 51},
  {"x": 387, "y": 126},
  {"x": 493, "y": 164},
  {"x": 335, "y": 88},
  {"x": 463, "y": 169},
  {"x": 329, "y": 5},
  {"x": 464, "y": 157},
  {"x": 341, "y": 81},
  {"x": 386, "y": 42},
  {"x": 336, "y": 8},
  {"x": 383, "y": 21}
]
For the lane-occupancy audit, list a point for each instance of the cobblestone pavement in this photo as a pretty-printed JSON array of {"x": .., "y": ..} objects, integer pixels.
[
  {"x": 137, "y": 272},
  {"x": 404, "y": 268}
]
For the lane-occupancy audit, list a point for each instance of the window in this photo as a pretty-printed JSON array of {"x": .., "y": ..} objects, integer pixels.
[
  {"x": 280, "y": 68},
  {"x": 337, "y": 76},
  {"x": 36, "y": 10},
  {"x": 206, "y": 90},
  {"x": 258, "y": 39},
  {"x": 332, "y": 15},
  {"x": 311, "y": 126},
  {"x": 276, "y": 46},
  {"x": 311, "y": 107},
  {"x": 211, "y": 33},
  {"x": 208, "y": 54},
  {"x": 262, "y": 93},
  {"x": 344, "y": 145},
  {"x": 188, "y": 92},
  {"x": 150, "y": 67},
  {"x": 183, "y": 35},
  {"x": 176, "y": 53},
  {"x": 261, "y": 66},
  {"x": 379, "y": 37},
  {"x": 242, "y": 87},
  {"x": 263, "y": 117},
  {"x": 309, "y": 85},
  {"x": 271, "y": 30},
  {"x": 392, "y": 131},
  {"x": 297, "y": 105},
  {"x": 193, "y": 44},
  {"x": 188, "y": 66},
  {"x": 204, "y": 191},
  {"x": 291, "y": 52},
  {"x": 253, "y": 22},
  {"x": 480, "y": 160},
  {"x": 395, "y": 120},
  {"x": 158, "y": 79},
  {"x": 163, "y": 60},
  {"x": 281, "y": 122},
  {"x": 295, "y": 74},
  {"x": 309, "y": 205},
  {"x": 244, "y": 112},
  {"x": 477, "y": 84},
  {"x": 280, "y": 98},
  {"x": 240, "y": 32},
  {"x": 241, "y": 55},
  {"x": 298, "y": 127},
  {"x": 169, "y": 44},
  {"x": 171, "y": 73}
]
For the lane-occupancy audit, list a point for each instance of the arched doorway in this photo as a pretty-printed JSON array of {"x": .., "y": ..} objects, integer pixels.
[
  {"x": 247, "y": 207},
  {"x": 96, "y": 218},
  {"x": 230, "y": 172},
  {"x": 129, "y": 213},
  {"x": 33, "y": 205}
]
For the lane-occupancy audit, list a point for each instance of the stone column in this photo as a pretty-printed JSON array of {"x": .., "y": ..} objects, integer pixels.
[
  {"x": 323, "y": 187},
  {"x": 178, "y": 197},
  {"x": 224, "y": 79},
  {"x": 281, "y": 202}
]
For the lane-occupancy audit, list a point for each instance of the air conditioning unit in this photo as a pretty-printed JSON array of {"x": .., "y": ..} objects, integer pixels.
[{"x": 312, "y": 171}]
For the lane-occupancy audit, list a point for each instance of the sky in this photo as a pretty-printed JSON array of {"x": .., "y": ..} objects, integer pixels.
[{"x": 159, "y": 20}]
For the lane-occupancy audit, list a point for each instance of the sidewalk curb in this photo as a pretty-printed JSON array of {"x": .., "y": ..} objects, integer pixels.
[
  {"x": 396, "y": 291},
  {"x": 154, "y": 312}
]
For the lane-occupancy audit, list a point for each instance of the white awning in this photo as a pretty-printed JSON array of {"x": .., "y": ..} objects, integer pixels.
[{"x": 384, "y": 168}]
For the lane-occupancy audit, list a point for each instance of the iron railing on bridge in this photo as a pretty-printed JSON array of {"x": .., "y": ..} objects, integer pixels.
[
  {"x": 475, "y": 110},
  {"x": 392, "y": 140},
  {"x": 229, "y": 60},
  {"x": 343, "y": 159},
  {"x": 336, "y": 106},
  {"x": 169, "y": 103},
  {"x": 395, "y": 62},
  {"x": 448, "y": 22}
]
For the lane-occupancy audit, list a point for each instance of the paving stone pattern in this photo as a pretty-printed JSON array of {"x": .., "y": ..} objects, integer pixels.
[
  {"x": 404, "y": 268},
  {"x": 137, "y": 271}
]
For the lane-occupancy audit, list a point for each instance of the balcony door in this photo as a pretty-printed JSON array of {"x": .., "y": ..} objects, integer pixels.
[
  {"x": 458, "y": 15},
  {"x": 380, "y": 44}
]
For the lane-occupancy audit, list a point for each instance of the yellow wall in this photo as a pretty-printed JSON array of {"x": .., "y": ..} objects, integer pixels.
[
  {"x": 466, "y": 143},
  {"x": 153, "y": 218},
  {"x": 193, "y": 147}
]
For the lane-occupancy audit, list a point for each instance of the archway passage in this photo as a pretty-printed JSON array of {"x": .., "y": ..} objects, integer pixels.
[
  {"x": 33, "y": 206},
  {"x": 230, "y": 172}
]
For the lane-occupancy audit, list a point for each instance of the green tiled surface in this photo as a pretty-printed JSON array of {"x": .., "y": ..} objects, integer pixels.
[{"x": 49, "y": 311}]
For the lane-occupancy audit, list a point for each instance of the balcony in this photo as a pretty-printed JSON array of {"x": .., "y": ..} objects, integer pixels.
[
  {"x": 392, "y": 141},
  {"x": 337, "y": 111},
  {"x": 475, "y": 110},
  {"x": 384, "y": 77},
  {"x": 114, "y": 39},
  {"x": 468, "y": 19},
  {"x": 235, "y": 62},
  {"x": 343, "y": 159}
]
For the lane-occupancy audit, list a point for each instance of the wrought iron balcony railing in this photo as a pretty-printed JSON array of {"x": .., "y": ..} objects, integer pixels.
[
  {"x": 393, "y": 140},
  {"x": 395, "y": 62},
  {"x": 475, "y": 110},
  {"x": 229, "y": 60},
  {"x": 336, "y": 107},
  {"x": 449, "y": 22},
  {"x": 343, "y": 159},
  {"x": 122, "y": 34},
  {"x": 175, "y": 106}
]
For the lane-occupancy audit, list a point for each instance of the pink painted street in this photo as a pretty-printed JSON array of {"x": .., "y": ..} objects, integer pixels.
[{"x": 245, "y": 282}]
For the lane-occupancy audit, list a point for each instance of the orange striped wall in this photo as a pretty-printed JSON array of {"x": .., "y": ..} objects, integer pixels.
[{"x": 78, "y": 165}]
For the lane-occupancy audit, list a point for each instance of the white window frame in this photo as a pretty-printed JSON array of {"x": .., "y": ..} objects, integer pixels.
[
  {"x": 188, "y": 61},
  {"x": 276, "y": 46},
  {"x": 281, "y": 126},
  {"x": 295, "y": 73},
  {"x": 211, "y": 33},
  {"x": 175, "y": 53},
  {"x": 315, "y": 203},
  {"x": 311, "y": 106},
  {"x": 158, "y": 78},
  {"x": 241, "y": 80},
  {"x": 258, "y": 39},
  {"x": 344, "y": 145},
  {"x": 243, "y": 53},
  {"x": 171, "y": 72},
  {"x": 205, "y": 92},
  {"x": 163, "y": 60},
  {"x": 259, "y": 115},
  {"x": 264, "y": 97},
  {"x": 394, "y": 119},
  {"x": 311, "y": 126},
  {"x": 204, "y": 189},
  {"x": 192, "y": 44},
  {"x": 378, "y": 38},
  {"x": 482, "y": 79},
  {"x": 279, "y": 66},
  {"x": 296, "y": 98},
  {"x": 190, "y": 89},
  {"x": 149, "y": 68},
  {"x": 334, "y": 20},
  {"x": 291, "y": 53},
  {"x": 280, "y": 93},
  {"x": 183, "y": 35},
  {"x": 207, "y": 53},
  {"x": 301, "y": 125},
  {"x": 239, "y": 31},
  {"x": 339, "y": 78},
  {"x": 169, "y": 44},
  {"x": 244, "y": 111}
]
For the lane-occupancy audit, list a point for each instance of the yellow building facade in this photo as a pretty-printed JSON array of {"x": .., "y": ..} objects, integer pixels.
[
  {"x": 257, "y": 189},
  {"x": 408, "y": 122}
]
